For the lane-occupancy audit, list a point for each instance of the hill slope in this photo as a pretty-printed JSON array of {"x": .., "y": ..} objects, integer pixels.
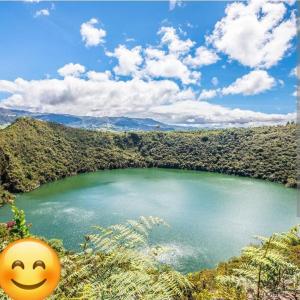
[{"x": 34, "y": 152}]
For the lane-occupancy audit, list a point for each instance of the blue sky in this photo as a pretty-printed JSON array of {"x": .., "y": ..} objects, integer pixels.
[{"x": 190, "y": 63}]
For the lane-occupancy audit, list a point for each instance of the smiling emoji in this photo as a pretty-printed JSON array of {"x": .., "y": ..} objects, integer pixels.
[{"x": 29, "y": 270}]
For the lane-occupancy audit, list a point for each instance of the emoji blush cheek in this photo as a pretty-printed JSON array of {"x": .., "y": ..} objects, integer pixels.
[
  {"x": 8, "y": 275},
  {"x": 50, "y": 276}
]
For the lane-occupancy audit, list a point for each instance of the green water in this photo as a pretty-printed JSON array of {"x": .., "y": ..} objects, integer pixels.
[{"x": 212, "y": 216}]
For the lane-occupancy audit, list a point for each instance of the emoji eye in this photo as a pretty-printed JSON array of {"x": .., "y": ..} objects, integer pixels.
[
  {"x": 17, "y": 263},
  {"x": 39, "y": 263}
]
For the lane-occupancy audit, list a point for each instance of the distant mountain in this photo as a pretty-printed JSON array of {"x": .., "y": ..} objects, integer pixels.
[{"x": 8, "y": 116}]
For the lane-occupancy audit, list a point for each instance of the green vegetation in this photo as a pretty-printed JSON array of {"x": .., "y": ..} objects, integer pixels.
[
  {"x": 115, "y": 265},
  {"x": 270, "y": 270},
  {"x": 5, "y": 196},
  {"x": 34, "y": 152},
  {"x": 111, "y": 265},
  {"x": 15, "y": 229}
]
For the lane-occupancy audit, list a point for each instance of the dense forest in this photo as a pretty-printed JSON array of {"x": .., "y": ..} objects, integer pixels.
[{"x": 34, "y": 152}]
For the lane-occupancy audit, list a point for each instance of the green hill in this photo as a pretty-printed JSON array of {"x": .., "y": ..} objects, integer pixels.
[{"x": 34, "y": 152}]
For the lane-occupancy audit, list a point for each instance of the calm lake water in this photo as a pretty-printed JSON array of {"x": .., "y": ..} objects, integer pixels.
[{"x": 212, "y": 216}]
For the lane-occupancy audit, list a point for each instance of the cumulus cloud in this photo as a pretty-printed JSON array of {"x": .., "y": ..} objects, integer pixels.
[
  {"x": 153, "y": 53},
  {"x": 203, "y": 57},
  {"x": 175, "y": 45},
  {"x": 202, "y": 112},
  {"x": 160, "y": 65},
  {"x": 129, "y": 60},
  {"x": 42, "y": 12},
  {"x": 253, "y": 83},
  {"x": 257, "y": 34},
  {"x": 71, "y": 69},
  {"x": 162, "y": 100},
  {"x": 98, "y": 76},
  {"x": 207, "y": 94},
  {"x": 170, "y": 63},
  {"x": 92, "y": 97},
  {"x": 91, "y": 35}
]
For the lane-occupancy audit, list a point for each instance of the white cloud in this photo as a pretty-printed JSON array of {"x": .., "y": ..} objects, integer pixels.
[
  {"x": 99, "y": 76},
  {"x": 175, "y": 45},
  {"x": 202, "y": 112},
  {"x": 154, "y": 62},
  {"x": 203, "y": 57},
  {"x": 128, "y": 60},
  {"x": 162, "y": 100},
  {"x": 296, "y": 92},
  {"x": 257, "y": 34},
  {"x": 289, "y": 2},
  {"x": 253, "y": 83},
  {"x": 153, "y": 53},
  {"x": 91, "y": 97},
  {"x": 91, "y": 35},
  {"x": 174, "y": 3},
  {"x": 71, "y": 70},
  {"x": 207, "y": 94},
  {"x": 295, "y": 72},
  {"x": 100, "y": 93},
  {"x": 159, "y": 65},
  {"x": 215, "y": 81},
  {"x": 42, "y": 12},
  {"x": 128, "y": 40}
]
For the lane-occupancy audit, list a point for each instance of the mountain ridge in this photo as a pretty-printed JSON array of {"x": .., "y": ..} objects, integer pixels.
[{"x": 7, "y": 116}]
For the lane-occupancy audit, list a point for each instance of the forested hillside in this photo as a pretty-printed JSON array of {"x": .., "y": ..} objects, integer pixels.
[{"x": 34, "y": 152}]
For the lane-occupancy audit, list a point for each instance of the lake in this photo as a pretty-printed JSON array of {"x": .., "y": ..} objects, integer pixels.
[{"x": 211, "y": 216}]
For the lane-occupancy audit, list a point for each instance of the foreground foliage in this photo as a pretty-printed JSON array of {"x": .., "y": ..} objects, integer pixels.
[
  {"x": 112, "y": 266},
  {"x": 270, "y": 270},
  {"x": 267, "y": 269},
  {"x": 117, "y": 263},
  {"x": 34, "y": 152}
]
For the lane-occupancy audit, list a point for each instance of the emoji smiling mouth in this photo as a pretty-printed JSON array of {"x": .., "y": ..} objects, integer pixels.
[{"x": 28, "y": 287}]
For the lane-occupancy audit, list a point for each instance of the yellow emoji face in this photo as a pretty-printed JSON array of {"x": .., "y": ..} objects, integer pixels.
[{"x": 29, "y": 270}]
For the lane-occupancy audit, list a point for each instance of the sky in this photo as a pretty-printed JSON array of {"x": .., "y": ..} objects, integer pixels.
[{"x": 200, "y": 63}]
